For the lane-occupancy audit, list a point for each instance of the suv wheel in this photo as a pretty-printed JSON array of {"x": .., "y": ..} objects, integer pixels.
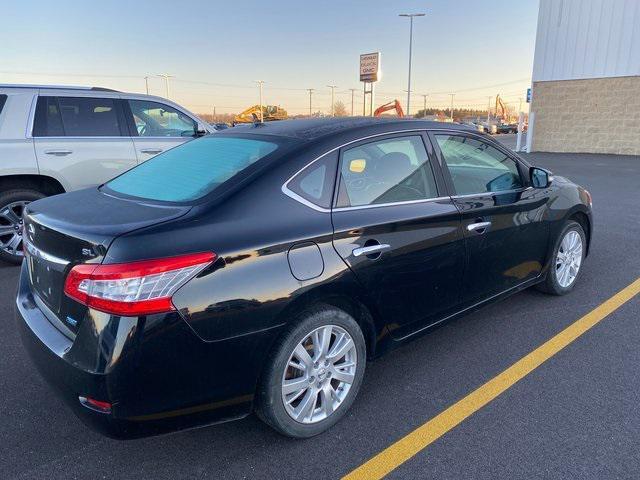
[
  {"x": 12, "y": 205},
  {"x": 314, "y": 374}
]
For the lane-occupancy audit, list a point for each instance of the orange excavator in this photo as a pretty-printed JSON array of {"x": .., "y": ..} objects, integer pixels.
[
  {"x": 389, "y": 106},
  {"x": 503, "y": 109}
]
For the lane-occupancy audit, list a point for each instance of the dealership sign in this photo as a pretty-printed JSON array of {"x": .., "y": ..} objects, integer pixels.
[{"x": 370, "y": 67}]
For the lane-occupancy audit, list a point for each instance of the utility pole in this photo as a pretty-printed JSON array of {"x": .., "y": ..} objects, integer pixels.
[
  {"x": 424, "y": 104},
  {"x": 353, "y": 90},
  {"x": 166, "y": 82},
  {"x": 520, "y": 104},
  {"x": 310, "y": 90},
  {"x": 214, "y": 113},
  {"x": 489, "y": 111},
  {"x": 410, "y": 16},
  {"x": 332, "y": 87},
  {"x": 146, "y": 84},
  {"x": 260, "y": 83},
  {"x": 452, "y": 95}
]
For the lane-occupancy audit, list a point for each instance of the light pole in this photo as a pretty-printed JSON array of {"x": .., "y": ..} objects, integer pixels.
[
  {"x": 489, "y": 110},
  {"x": 452, "y": 95},
  {"x": 260, "y": 83},
  {"x": 146, "y": 84},
  {"x": 353, "y": 90},
  {"x": 166, "y": 81},
  {"x": 410, "y": 15},
  {"x": 310, "y": 90},
  {"x": 424, "y": 104},
  {"x": 332, "y": 87}
]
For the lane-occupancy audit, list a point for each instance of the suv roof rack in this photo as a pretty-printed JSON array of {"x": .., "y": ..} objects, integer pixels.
[{"x": 56, "y": 87}]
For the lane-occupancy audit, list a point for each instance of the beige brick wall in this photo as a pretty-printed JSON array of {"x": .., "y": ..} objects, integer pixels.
[{"x": 600, "y": 115}]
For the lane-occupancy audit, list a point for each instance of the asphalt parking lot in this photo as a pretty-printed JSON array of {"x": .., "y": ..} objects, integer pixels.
[{"x": 576, "y": 416}]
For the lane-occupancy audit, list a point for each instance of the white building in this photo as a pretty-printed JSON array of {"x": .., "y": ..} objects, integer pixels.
[{"x": 586, "y": 77}]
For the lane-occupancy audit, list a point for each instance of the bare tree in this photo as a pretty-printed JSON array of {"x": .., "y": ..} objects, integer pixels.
[{"x": 339, "y": 110}]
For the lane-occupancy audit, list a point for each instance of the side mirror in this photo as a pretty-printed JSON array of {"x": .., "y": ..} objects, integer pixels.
[
  {"x": 201, "y": 130},
  {"x": 540, "y": 178}
]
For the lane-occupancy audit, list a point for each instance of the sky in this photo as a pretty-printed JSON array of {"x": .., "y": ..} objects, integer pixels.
[{"x": 217, "y": 49}]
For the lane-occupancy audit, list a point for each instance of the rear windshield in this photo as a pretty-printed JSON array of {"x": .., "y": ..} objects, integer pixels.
[{"x": 192, "y": 170}]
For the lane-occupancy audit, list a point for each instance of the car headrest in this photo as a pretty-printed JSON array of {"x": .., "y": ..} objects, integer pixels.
[{"x": 393, "y": 166}]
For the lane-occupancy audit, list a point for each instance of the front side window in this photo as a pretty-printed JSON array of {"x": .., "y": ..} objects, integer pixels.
[
  {"x": 386, "y": 171},
  {"x": 192, "y": 170},
  {"x": 477, "y": 167},
  {"x": 153, "y": 119}
]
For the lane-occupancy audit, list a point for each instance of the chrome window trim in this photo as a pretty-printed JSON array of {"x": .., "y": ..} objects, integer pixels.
[
  {"x": 34, "y": 102},
  {"x": 488, "y": 194},
  {"x": 318, "y": 208},
  {"x": 391, "y": 204}
]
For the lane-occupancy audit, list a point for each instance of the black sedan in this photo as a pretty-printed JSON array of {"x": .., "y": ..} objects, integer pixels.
[{"x": 261, "y": 267}]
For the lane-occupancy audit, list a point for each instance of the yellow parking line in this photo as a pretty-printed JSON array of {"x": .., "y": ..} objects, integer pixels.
[{"x": 405, "y": 448}]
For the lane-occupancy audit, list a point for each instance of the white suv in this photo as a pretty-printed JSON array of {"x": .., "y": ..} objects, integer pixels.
[{"x": 57, "y": 139}]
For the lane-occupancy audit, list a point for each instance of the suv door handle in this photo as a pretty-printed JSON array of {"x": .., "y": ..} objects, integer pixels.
[
  {"x": 58, "y": 153},
  {"x": 371, "y": 249},
  {"x": 479, "y": 227},
  {"x": 151, "y": 151}
]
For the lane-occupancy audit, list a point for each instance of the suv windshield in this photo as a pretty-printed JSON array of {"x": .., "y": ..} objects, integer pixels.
[{"x": 192, "y": 170}]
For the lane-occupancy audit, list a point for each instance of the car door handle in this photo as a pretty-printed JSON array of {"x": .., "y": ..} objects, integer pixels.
[
  {"x": 151, "y": 151},
  {"x": 479, "y": 227},
  {"x": 58, "y": 153},
  {"x": 371, "y": 249}
]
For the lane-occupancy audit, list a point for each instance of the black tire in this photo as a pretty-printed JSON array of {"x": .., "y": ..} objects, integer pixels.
[
  {"x": 7, "y": 198},
  {"x": 551, "y": 285},
  {"x": 270, "y": 406}
]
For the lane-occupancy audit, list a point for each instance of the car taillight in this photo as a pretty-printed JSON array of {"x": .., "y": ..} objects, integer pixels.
[{"x": 136, "y": 288}]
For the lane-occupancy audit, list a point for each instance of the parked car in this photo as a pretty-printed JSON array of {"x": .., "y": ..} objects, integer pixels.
[
  {"x": 259, "y": 268},
  {"x": 59, "y": 139},
  {"x": 507, "y": 128},
  {"x": 219, "y": 126},
  {"x": 490, "y": 128}
]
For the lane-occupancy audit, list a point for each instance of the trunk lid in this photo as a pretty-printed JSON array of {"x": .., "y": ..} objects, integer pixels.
[{"x": 78, "y": 227}]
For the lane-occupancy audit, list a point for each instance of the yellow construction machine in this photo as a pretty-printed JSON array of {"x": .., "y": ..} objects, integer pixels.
[{"x": 269, "y": 113}]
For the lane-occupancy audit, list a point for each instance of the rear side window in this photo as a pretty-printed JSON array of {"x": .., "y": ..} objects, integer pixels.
[
  {"x": 315, "y": 182},
  {"x": 47, "y": 122},
  {"x": 3, "y": 100},
  {"x": 76, "y": 117},
  {"x": 192, "y": 170},
  {"x": 386, "y": 171}
]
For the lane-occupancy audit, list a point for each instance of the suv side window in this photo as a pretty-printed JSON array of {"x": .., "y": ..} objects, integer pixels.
[
  {"x": 76, "y": 117},
  {"x": 3, "y": 99},
  {"x": 315, "y": 182},
  {"x": 153, "y": 119},
  {"x": 386, "y": 171},
  {"x": 477, "y": 167}
]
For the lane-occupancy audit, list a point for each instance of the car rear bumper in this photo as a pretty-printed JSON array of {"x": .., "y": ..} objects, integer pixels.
[{"x": 156, "y": 372}]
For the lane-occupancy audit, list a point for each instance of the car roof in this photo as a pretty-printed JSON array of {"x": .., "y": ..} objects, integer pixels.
[
  {"x": 316, "y": 128},
  {"x": 55, "y": 87}
]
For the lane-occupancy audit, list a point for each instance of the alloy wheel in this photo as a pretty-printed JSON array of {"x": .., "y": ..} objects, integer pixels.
[
  {"x": 319, "y": 374},
  {"x": 569, "y": 258},
  {"x": 11, "y": 228}
]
